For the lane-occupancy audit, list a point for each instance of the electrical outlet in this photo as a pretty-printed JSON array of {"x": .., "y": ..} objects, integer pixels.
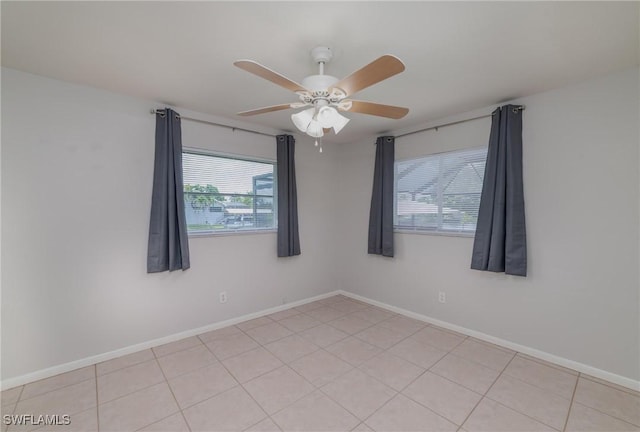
[
  {"x": 442, "y": 297},
  {"x": 223, "y": 297}
]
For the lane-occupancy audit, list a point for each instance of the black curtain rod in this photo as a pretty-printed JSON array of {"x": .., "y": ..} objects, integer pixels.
[
  {"x": 233, "y": 128},
  {"x": 519, "y": 108}
]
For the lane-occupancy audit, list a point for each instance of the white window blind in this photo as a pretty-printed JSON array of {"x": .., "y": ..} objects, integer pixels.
[
  {"x": 439, "y": 192},
  {"x": 225, "y": 194}
]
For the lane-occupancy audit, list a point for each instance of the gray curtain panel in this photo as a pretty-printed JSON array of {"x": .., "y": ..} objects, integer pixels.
[
  {"x": 168, "y": 241},
  {"x": 500, "y": 243},
  {"x": 381, "y": 213},
  {"x": 288, "y": 239}
]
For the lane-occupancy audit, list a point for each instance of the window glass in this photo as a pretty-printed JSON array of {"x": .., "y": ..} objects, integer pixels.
[{"x": 225, "y": 194}]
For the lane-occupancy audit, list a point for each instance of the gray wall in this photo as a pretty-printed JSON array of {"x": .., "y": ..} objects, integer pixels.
[
  {"x": 74, "y": 282},
  {"x": 580, "y": 299},
  {"x": 77, "y": 167}
]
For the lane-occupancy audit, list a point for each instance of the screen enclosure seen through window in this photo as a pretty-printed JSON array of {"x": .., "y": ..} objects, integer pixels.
[
  {"x": 228, "y": 194},
  {"x": 439, "y": 192}
]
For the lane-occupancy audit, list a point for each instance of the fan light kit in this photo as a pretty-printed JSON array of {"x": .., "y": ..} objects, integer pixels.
[{"x": 325, "y": 95}]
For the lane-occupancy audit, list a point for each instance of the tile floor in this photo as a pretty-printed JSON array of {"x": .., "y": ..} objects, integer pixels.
[{"x": 331, "y": 365}]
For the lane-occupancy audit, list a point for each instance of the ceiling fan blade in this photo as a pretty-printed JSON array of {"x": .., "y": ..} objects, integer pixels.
[
  {"x": 377, "y": 109},
  {"x": 265, "y": 110},
  {"x": 376, "y": 71},
  {"x": 268, "y": 74}
]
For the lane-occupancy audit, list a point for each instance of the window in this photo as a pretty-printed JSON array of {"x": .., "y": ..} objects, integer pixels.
[
  {"x": 439, "y": 193},
  {"x": 225, "y": 194}
]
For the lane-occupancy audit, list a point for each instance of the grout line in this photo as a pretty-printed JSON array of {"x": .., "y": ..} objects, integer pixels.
[
  {"x": 57, "y": 388},
  {"x": 573, "y": 395},
  {"x": 166, "y": 380},
  {"x": 242, "y": 386},
  {"x": 490, "y": 387},
  {"x": 521, "y": 413},
  {"x": 608, "y": 414}
]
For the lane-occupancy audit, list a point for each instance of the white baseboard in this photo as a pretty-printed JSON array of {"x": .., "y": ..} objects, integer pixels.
[
  {"x": 88, "y": 361},
  {"x": 542, "y": 355}
]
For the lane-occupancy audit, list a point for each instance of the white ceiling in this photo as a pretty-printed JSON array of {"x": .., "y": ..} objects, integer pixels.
[{"x": 459, "y": 55}]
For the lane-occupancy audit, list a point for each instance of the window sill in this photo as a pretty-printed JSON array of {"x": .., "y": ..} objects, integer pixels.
[
  {"x": 231, "y": 233},
  {"x": 435, "y": 233}
]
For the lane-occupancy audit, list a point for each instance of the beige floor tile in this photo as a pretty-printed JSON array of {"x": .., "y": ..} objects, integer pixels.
[
  {"x": 277, "y": 316},
  {"x": 373, "y": 314},
  {"x": 490, "y": 416},
  {"x": 485, "y": 354},
  {"x": 540, "y": 375},
  {"x": 70, "y": 400},
  {"x": 320, "y": 367},
  {"x": 137, "y": 410},
  {"x": 438, "y": 338},
  {"x": 176, "y": 346},
  {"x": 233, "y": 410},
  {"x": 395, "y": 372},
  {"x": 359, "y": 393},
  {"x": 542, "y": 405},
  {"x": 173, "y": 423},
  {"x": 251, "y": 364},
  {"x": 219, "y": 334},
  {"x": 350, "y": 324},
  {"x": 196, "y": 386},
  {"x": 334, "y": 299},
  {"x": 291, "y": 348},
  {"x": 232, "y": 345},
  {"x": 10, "y": 397},
  {"x": 544, "y": 362},
  {"x": 269, "y": 332},
  {"x": 309, "y": 306},
  {"x": 403, "y": 325},
  {"x": 86, "y": 421},
  {"x": 58, "y": 382},
  {"x": 128, "y": 380},
  {"x": 466, "y": 373},
  {"x": 417, "y": 353},
  {"x": 315, "y": 412},
  {"x": 256, "y": 322},
  {"x": 444, "y": 397},
  {"x": 7, "y": 410},
  {"x": 278, "y": 389},
  {"x": 380, "y": 336},
  {"x": 185, "y": 361},
  {"x": 585, "y": 419},
  {"x": 610, "y": 384},
  {"x": 323, "y": 335},
  {"x": 266, "y": 425},
  {"x": 348, "y": 306},
  {"x": 609, "y": 400},
  {"x": 362, "y": 427},
  {"x": 403, "y": 414},
  {"x": 124, "y": 361},
  {"x": 353, "y": 351},
  {"x": 326, "y": 314},
  {"x": 300, "y": 322}
]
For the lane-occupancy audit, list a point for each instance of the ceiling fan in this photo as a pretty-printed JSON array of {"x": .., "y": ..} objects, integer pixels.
[{"x": 326, "y": 95}]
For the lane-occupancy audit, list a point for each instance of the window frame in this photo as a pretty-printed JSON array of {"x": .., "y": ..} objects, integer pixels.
[
  {"x": 233, "y": 156},
  {"x": 427, "y": 231}
]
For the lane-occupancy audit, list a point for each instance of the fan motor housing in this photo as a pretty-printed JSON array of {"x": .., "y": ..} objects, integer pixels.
[{"x": 319, "y": 82}]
